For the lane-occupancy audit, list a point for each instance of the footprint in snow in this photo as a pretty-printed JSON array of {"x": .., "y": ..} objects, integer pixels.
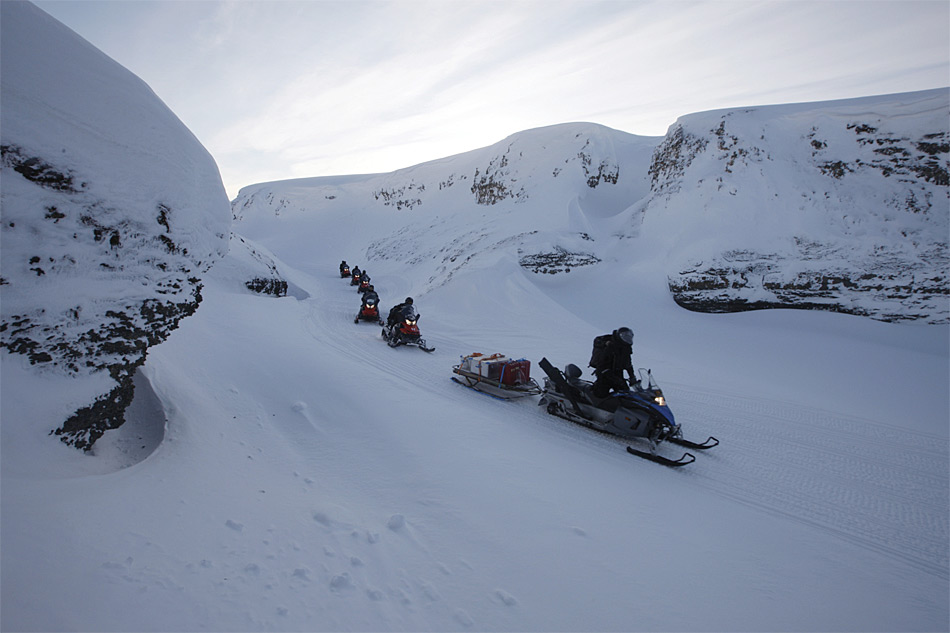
[
  {"x": 463, "y": 618},
  {"x": 341, "y": 582},
  {"x": 396, "y": 522},
  {"x": 430, "y": 591}
]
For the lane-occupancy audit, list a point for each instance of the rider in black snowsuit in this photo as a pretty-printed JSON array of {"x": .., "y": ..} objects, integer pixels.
[
  {"x": 397, "y": 313},
  {"x": 610, "y": 360},
  {"x": 370, "y": 293}
]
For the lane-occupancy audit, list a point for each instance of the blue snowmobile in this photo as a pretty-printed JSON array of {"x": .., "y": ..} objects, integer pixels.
[{"x": 641, "y": 413}]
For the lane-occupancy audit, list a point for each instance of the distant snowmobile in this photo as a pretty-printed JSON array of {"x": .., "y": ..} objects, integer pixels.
[
  {"x": 344, "y": 271},
  {"x": 641, "y": 413},
  {"x": 406, "y": 332},
  {"x": 369, "y": 311}
]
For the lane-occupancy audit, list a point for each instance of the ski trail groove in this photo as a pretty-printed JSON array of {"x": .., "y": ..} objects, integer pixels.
[{"x": 881, "y": 488}]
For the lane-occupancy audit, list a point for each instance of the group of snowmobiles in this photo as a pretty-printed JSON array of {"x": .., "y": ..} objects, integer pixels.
[
  {"x": 637, "y": 412},
  {"x": 402, "y": 326}
]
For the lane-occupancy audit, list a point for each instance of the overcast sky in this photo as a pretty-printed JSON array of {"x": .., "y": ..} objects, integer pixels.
[{"x": 279, "y": 89}]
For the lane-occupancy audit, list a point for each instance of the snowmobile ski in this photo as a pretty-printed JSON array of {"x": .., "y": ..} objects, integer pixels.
[
  {"x": 687, "y": 458},
  {"x": 709, "y": 443}
]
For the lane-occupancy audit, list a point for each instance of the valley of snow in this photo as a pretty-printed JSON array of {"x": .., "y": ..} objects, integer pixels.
[{"x": 283, "y": 469}]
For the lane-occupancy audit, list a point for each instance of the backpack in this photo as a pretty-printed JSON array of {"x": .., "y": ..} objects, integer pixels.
[{"x": 598, "y": 354}]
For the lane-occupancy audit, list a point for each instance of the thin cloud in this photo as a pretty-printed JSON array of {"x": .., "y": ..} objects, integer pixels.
[{"x": 303, "y": 88}]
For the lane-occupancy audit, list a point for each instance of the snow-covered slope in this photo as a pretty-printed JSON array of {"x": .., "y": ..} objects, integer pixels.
[
  {"x": 112, "y": 212},
  {"x": 312, "y": 478}
]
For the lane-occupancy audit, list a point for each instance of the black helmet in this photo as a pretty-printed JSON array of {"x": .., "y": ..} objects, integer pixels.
[
  {"x": 625, "y": 334},
  {"x": 408, "y": 300}
]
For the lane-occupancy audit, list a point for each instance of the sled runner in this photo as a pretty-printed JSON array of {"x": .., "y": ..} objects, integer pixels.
[{"x": 496, "y": 375}]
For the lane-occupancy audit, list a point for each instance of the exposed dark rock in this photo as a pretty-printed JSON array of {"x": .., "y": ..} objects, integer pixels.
[
  {"x": 404, "y": 197},
  {"x": 495, "y": 184},
  {"x": 671, "y": 159},
  {"x": 743, "y": 281},
  {"x": 560, "y": 261},
  {"x": 36, "y": 170},
  {"x": 276, "y": 287}
]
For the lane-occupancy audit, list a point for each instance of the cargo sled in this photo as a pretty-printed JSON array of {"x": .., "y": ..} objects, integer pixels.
[{"x": 496, "y": 375}]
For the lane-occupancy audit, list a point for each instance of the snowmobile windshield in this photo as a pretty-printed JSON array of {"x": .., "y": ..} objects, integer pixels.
[
  {"x": 646, "y": 379},
  {"x": 409, "y": 314}
]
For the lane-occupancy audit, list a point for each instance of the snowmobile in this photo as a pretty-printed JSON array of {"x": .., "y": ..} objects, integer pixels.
[
  {"x": 496, "y": 375},
  {"x": 355, "y": 278},
  {"x": 406, "y": 332},
  {"x": 345, "y": 271},
  {"x": 640, "y": 414},
  {"x": 369, "y": 311},
  {"x": 364, "y": 284}
]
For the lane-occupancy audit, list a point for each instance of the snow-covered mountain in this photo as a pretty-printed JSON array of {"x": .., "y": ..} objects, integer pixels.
[
  {"x": 540, "y": 196},
  {"x": 282, "y": 469},
  {"x": 839, "y": 206},
  {"x": 112, "y": 213}
]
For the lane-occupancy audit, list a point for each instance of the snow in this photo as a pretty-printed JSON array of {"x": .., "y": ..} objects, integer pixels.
[{"x": 283, "y": 469}]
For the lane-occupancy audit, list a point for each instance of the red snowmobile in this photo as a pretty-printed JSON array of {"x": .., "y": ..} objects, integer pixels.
[
  {"x": 406, "y": 332},
  {"x": 369, "y": 311}
]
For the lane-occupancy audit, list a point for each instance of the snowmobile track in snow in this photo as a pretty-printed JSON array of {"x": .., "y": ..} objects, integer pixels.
[{"x": 879, "y": 487}]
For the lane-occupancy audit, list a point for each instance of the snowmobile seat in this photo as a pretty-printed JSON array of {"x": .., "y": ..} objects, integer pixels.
[{"x": 572, "y": 374}]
